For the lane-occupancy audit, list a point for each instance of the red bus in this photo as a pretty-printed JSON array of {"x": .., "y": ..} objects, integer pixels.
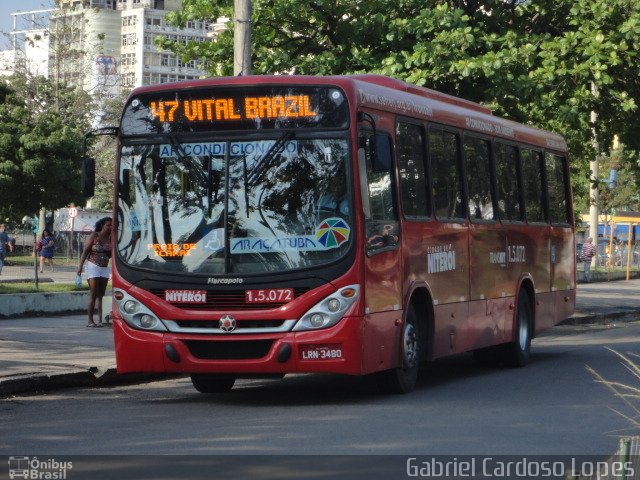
[{"x": 267, "y": 225}]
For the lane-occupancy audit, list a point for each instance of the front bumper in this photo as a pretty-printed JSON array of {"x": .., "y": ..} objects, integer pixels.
[{"x": 337, "y": 349}]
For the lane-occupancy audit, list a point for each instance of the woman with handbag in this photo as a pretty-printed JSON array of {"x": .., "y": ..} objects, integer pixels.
[{"x": 97, "y": 253}]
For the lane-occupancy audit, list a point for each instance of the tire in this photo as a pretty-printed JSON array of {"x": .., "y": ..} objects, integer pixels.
[
  {"x": 518, "y": 352},
  {"x": 403, "y": 379},
  {"x": 212, "y": 383}
]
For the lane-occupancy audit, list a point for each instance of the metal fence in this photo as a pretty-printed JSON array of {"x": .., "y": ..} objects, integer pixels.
[
  {"x": 23, "y": 266},
  {"x": 617, "y": 260},
  {"x": 20, "y": 265}
]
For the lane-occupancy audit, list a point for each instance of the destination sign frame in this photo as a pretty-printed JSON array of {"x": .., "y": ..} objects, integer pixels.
[{"x": 235, "y": 108}]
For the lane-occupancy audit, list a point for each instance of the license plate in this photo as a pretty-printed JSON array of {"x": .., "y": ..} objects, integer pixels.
[
  {"x": 320, "y": 352},
  {"x": 269, "y": 295}
]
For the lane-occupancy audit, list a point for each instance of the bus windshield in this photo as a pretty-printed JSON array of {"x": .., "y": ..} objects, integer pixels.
[{"x": 230, "y": 206}]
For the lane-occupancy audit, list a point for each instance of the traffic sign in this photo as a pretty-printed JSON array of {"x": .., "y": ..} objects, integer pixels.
[{"x": 73, "y": 212}]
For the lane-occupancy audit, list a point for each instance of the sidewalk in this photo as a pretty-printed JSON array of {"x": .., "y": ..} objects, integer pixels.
[
  {"x": 64, "y": 271},
  {"x": 41, "y": 353}
]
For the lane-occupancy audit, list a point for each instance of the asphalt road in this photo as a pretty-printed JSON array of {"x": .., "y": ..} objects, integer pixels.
[{"x": 553, "y": 406}]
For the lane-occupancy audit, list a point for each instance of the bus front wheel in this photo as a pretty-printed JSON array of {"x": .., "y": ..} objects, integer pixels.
[
  {"x": 212, "y": 383},
  {"x": 403, "y": 379}
]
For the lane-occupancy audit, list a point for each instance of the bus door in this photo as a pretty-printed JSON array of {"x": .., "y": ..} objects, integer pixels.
[{"x": 383, "y": 273}]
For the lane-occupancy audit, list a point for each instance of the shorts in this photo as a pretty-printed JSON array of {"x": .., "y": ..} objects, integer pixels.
[{"x": 91, "y": 270}]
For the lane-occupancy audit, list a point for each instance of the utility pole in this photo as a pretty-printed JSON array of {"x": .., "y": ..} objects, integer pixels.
[{"x": 242, "y": 37}]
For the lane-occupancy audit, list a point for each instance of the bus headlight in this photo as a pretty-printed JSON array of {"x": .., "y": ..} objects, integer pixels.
[
  {"x": 316, "y": 320},
  {"x": 135, "y": 314},
  {"x": 147, "y": 321},
  {"x": 130, "y": 306},
  {"x": 329, "y": 311},
  {"x": 333, "y": 305}
]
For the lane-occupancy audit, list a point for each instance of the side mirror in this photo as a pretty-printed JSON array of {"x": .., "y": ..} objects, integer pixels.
[{"x": 88, "y": 179}]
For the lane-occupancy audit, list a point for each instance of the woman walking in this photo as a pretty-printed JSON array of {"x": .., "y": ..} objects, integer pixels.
[
  {"x": 47, "y": 247},
  {"x": 97, "y": 252}
]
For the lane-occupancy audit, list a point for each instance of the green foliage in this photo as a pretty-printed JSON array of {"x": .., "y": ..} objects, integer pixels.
[
  {"x": 532, "y": 61},
  {"x": 41, "y": 131},
  {"x": 625, "y": 196},
  {"x": 103, "y": 148}
]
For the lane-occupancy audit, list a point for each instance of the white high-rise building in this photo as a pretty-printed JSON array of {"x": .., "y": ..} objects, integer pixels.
[
  {"x": 107, "y": 45},
  {"x": 29, "y": 44}
]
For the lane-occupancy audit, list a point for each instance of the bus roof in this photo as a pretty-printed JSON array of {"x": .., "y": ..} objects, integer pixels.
[{"x": 386, "y": 93}]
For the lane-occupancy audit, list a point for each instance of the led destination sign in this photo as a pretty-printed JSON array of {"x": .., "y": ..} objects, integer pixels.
[
  {"x": 239, "y": 108},
  {"x": 220, "y": 109}
]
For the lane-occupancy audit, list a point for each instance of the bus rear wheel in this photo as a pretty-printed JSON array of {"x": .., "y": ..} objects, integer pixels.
[
  {"x": 212, "y": 383},
  {"x": 518, "y": 352},
  {"x": 403, "y": 379}
]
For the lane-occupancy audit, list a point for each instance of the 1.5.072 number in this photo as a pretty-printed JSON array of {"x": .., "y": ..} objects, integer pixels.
[{"x": 269, "y": 295}]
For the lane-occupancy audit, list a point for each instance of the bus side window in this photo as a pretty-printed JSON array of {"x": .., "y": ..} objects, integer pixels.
[
  {"x": 410, "y": 142},
  {"x": 445, "y": 171},
  {"x": 506, "y": 157},
  {"x": 532, "y": 169},
  {"x": 557, "y": 188},
  {"x": 477, "y": 158}
]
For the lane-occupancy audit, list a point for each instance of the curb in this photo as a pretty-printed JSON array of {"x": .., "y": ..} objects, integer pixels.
[
  {"x": 92, "y": 377},
  {"x": 16, "y": 305}
]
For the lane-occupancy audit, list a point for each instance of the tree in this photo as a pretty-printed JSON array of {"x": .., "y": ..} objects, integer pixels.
[
  {"x": 103, "y": 149},
  {"x": 40, "y": 145},
  {"x": 623, "y": 196},
  {"x": 532, "y": 61}
]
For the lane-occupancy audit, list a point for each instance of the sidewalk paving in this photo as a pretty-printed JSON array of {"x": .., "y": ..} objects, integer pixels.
[
  {"x": 42, "y": 353},
  {"x": 64, "y": 271}
]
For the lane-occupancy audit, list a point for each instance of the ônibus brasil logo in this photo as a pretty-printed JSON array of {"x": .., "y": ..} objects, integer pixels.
[{"x": 34, "y": 468}]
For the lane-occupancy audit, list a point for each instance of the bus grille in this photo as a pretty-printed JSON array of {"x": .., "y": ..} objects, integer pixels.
[
  {"x": 242, "y": 324},
  {"x": 226, "y": 350},
  {"x": 228, "y": 300}
]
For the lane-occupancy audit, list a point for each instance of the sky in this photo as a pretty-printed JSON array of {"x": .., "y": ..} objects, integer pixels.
[{"x": 7, "y": 7}]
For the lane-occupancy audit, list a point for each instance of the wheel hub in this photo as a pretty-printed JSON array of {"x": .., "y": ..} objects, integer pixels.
[
  {"x": 523, "y": 333},
  {"x": 410, "y": 346}
]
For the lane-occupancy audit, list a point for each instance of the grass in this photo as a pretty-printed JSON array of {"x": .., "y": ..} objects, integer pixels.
[
  {"x": 27, "y": 261},
  {"x": 629, "y": 393},
  {"x": 48, "y": 287}
]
